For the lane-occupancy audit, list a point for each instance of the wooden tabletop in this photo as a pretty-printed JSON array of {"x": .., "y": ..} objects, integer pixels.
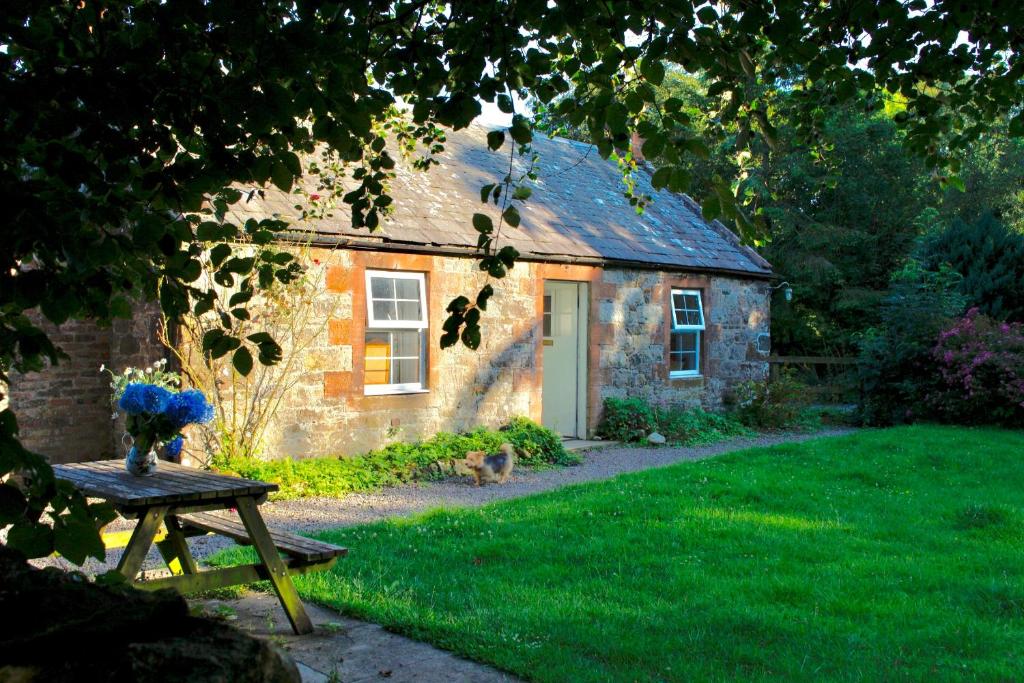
[{"x": 172, "y": 484}]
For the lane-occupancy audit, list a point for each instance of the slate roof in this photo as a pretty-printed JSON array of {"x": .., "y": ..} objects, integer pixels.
[{"x": 577, "y": 212}]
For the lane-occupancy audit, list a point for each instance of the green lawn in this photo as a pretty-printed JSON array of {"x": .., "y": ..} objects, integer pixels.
[{"x": 894, "y": 554}]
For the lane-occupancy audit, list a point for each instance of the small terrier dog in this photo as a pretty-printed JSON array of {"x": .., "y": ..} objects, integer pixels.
[{"x": 491, "y": 468}]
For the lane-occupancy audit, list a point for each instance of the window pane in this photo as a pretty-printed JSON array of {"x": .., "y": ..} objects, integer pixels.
[
  {"x": 382, "y": 287},
  {"x": 378, "y": 358},
  {"x": 407, "y": 343},
  {"x": 406, "y": 371},
  {"x": 682, "y": 362},
  {"x": 409, "y": 310},
  {"x": 407, "y": 289},
  {"x": 378, "y": 344},
  {"x": 693, "y": 317},
  {"x": 384, "y": 310},
  {"x": 684, "y": 341},
  {"x": 690, "y": 302}
]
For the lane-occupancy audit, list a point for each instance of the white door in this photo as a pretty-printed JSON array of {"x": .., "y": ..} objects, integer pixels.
[{"x": 565, "y": 359}]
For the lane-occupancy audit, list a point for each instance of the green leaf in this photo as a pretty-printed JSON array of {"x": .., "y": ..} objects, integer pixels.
[
  {"x": 520, "y": 130},
  {"x": 707, "y": 15},
  {"x": 12, "y": 504},
  {"x": 653, "y": 146},
  {"x": 1016, "y": 126},
  {"x": 471, "y": 337},
  {"x": 218, "y": 254},
  {"x": 458, "y": 304},
  {"x": 485, "y": 192},
  {"x": 242, "y": 360},
  {"x": 76, "y": 538},
  {"x": 486, "y": 292},
  {"x": 508, "y": 256},
  {"x": 653, "y": 70},
  {"x": 495, "y": 139},
  {"x": 522, "y": 192},
  {"x": 511, "y": 216},
  {"x": 282, "y": 176},
  {"x": 711, "y": 208},
  {"x": 661, "y": 177},
  {"x": 31, "y": 539},
  {"x": 271, "y": 353},
  {"x": 482, "y": 223}
]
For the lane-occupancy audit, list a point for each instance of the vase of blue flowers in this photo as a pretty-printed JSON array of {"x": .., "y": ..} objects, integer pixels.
[{"x": 155, "y": 419}]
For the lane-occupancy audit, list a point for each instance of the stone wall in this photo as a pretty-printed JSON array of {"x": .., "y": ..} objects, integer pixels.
[
  {"x": 65, "y": 411},
  {"x": 327, "y": 412},
  {"x": 634, "y": 315}
]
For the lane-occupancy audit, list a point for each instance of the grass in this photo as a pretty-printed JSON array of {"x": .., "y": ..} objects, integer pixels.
[{"x": 892, "y": 554}]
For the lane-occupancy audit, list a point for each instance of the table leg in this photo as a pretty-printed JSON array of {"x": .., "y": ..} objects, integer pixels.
[
  {"x": 174, "y": 549},
  {"x": 279, "y": 578},
  {"x": 141, "y": 541}
]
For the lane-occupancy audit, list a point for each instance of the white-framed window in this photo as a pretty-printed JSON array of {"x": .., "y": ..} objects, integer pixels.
[
  {"x": 395, "y": 352},
  {"x": 684, "y": 338}
]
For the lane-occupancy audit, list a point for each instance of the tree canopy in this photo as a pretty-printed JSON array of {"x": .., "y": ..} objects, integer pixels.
[{"x": 132, "y": 125}]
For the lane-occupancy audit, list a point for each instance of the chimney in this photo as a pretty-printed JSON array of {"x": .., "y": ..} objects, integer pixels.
[{"x": 636, "y": 144}]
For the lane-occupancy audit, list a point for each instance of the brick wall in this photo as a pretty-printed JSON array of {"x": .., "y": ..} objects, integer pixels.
[{"x": 65, "y": 411}]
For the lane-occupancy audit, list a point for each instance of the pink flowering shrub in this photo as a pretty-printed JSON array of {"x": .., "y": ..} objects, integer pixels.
[{"x": 981, "y": 371}]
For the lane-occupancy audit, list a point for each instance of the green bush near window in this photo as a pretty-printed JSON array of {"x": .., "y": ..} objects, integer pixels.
[
  {"x": 778, "y": 404},
  {"x": 399, "y": 463},
  {"x": 631, "y": 420}
]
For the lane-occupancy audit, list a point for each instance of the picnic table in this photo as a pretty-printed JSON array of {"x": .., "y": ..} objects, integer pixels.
[{"x": 177, "y": 502}]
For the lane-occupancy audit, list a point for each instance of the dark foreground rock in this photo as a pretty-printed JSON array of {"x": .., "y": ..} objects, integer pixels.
[{"x": 59, "y": 627}]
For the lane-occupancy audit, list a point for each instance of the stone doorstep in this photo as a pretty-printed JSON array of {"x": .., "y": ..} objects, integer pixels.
[
  {"x": 578, "y": 445},
  {"x": 349, "y": 650}
]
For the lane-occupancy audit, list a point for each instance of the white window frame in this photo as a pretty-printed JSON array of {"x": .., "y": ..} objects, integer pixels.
[
  {"x": 372, "y": 324},
  {"x": 676, "y": 327}
]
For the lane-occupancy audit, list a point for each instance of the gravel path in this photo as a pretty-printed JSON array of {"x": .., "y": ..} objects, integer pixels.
[{"x": 313, "y": 514}]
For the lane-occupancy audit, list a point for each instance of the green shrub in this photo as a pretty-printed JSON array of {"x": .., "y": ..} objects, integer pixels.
[
  {"x": 896, "y": 367},
  {"x": 989, "y": 256},
  {"x": 630, "y": 420},
  {"x": 627, "y": 420},
  {"x": 399, "y": 463},
  {"x": 769, "y": 405}
]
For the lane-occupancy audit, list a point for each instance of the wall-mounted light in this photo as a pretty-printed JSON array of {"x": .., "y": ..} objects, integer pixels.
[{"x": 787, "y": 292}]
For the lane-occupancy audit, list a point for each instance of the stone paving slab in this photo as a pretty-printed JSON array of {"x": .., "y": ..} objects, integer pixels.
[{"x": 347, "y": 650}]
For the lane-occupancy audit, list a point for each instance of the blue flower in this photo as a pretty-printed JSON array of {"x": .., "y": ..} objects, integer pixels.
[
  {"x": 144, "y": 398},
  {"x": 173, "y": 447},
  {"x": 188, "y": 407}
]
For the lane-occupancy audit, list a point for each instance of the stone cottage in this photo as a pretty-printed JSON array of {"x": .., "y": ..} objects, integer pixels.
[{"x": 603, "y": 303}]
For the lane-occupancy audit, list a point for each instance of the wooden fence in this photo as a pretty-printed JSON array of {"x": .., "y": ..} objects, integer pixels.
[{"x": 831, "y": 379}]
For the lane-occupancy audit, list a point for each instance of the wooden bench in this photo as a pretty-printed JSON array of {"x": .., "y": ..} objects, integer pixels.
[{"x": 300, "y": 549}]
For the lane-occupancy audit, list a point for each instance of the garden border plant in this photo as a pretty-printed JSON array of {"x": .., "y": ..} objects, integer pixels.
[
  {"x": 631, "y": 420},
  {"x": 400, "y": 463}
]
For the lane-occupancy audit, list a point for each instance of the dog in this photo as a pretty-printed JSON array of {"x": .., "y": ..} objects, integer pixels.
[{"x": 491, "y": 468}]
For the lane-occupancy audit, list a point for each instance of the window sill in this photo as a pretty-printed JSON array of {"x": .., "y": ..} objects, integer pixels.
[
  {"x": 385, "y": 390},
  {"x": 683, "y": 378}
]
